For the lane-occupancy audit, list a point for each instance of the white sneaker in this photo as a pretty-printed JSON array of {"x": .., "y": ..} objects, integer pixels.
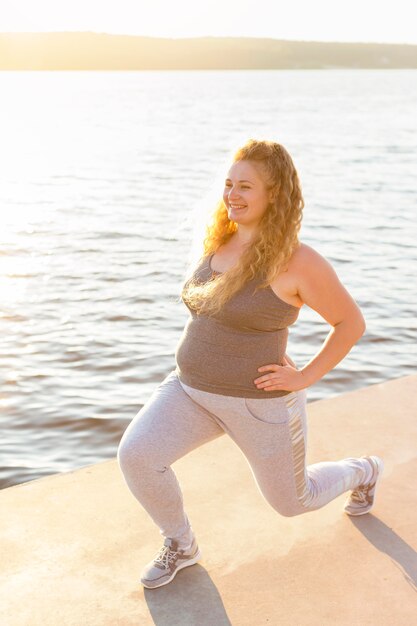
[
  {"x": 166, "y": 563},
  {"x": 361, "y": 500}
]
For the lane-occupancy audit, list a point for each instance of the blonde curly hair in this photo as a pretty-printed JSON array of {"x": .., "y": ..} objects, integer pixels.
[{"x": 276, "y": 237}]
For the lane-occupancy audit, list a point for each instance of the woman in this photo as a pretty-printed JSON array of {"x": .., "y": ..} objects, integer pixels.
[{"x": 232, "y": 374}]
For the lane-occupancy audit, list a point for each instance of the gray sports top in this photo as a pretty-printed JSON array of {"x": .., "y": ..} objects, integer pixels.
[{"x": 221, "y": 353}]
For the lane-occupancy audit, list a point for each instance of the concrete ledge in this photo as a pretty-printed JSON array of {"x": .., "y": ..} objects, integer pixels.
[{"x": 72, "y": 545}]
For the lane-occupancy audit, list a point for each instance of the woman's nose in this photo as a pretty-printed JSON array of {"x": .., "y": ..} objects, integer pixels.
[{"x": 233, "y": 195}]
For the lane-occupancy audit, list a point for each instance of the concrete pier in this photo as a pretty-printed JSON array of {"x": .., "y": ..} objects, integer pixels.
[{"x": 72, "y": 545}]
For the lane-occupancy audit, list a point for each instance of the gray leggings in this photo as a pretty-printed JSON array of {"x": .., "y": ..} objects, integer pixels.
[{"x": 271, "y": 432}]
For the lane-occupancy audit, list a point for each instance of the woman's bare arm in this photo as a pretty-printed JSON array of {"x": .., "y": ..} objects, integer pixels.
[
  {"x": 320, "y": 288},
  {"x": 317, "y": 285}
]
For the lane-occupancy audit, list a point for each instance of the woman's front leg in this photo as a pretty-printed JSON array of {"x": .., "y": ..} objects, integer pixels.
[{"x": 167, "y": 427}]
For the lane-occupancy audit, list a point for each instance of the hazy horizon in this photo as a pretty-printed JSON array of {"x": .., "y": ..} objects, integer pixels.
[
  {"x": 301, "y": 20},
  {"x": 140, "y": 35},
  {"x": 102, "y": 51}
]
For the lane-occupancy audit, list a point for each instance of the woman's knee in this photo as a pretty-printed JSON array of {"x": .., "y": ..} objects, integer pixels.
[
  {"x": 133, "y": 454},
  {"x": 287, "y": 508},
  {"x": 290, "y": 512}
]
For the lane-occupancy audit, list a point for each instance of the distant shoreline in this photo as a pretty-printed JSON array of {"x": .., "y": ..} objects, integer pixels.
[{"x": 100, "y": 51}]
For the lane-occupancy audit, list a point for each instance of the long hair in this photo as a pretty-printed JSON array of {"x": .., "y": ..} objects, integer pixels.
[{"x": 275, "y": 239}]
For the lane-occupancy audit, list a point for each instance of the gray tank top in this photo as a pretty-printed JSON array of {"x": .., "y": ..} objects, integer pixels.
[{"x": 221, "y": 353}]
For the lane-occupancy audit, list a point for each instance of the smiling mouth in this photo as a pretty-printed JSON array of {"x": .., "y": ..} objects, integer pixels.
[{"x": 237, "y": 206}]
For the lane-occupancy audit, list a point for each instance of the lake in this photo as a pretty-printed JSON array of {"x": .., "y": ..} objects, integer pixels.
[{"x": 106, "y": 181}]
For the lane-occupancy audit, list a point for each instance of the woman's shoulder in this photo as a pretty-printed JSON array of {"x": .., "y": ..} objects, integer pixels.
[
  {"x": 304, "y": 262},
  {"x": 308, "y": 266},
  {"x": 306, "y": 255}
]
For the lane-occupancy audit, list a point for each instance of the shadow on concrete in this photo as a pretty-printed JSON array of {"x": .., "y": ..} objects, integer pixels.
[
  {"x": 191, "y": 598},
  {"x": 386, "y": 540}
]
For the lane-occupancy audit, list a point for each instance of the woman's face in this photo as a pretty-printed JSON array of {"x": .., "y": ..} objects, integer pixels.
[{"x": 245, "y": 194}]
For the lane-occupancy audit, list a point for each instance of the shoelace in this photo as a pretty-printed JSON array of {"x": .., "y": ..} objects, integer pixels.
[
  {"x": 166, "y": 556},
  {"x": 361, "y": 495}
]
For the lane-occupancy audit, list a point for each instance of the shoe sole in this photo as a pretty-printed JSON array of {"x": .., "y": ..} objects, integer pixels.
[
  {"x": 380, "y": 470},
  {"x": 192, "y": 561}
]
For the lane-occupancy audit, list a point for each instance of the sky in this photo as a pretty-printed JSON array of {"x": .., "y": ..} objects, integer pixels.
[{"x": 376, "y": 21}]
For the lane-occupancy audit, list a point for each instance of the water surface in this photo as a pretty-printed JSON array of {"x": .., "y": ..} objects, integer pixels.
[{"x": 104, "y": 175}]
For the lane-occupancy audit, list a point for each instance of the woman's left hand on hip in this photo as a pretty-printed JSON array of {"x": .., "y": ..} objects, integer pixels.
[{"x": 280, "y": 378}]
